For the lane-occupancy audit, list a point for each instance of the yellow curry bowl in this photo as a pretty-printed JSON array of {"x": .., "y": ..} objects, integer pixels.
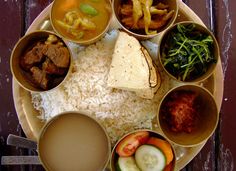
[
  {"x": 40, "y": 61},
  {"x": 81, "y": 21},
  {"x": 145, "y": 19}
]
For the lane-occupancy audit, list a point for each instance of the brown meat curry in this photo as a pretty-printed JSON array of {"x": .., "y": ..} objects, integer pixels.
[{"x": 46, "y": 63}]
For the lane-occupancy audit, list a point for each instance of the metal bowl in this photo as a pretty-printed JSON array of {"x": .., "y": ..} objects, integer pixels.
[
  {"x": 76, "y": 138},
  {"x": 21, "y": 46},
  {"x": 114, "y": 155},
  {"x": 204, "y": 125},
  {"x": 58, "y": 6},
  {"x": 173, "y": 5},
  {"x": 203, "y": 30}
]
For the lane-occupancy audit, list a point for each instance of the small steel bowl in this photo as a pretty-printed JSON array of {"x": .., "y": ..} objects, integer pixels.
[
  {"x": 73, "y": 135},
  {"x": 60, "y": 6},
  {"x": 204, "y": 124},
  {"x": 173, "y": 5},
  {"x": 114, "y": 155},
  {"x": 202, "y": 29},
  {"x": 20, "y": 48}
]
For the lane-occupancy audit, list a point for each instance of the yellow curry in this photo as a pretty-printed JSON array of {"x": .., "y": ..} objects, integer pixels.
[{"x": 81, "y": 19}]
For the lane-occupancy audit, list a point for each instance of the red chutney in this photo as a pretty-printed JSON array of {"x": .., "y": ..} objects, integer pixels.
[{"x": 180, "y": 111}]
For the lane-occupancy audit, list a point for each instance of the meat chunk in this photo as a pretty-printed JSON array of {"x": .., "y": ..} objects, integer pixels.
[
  {"x": 59, "y": 55},
  {"x": 180, "y": 111},
  {"x": 34, "y": 56},
  {"x": 40, "y": 77},
  {"x": 50, "y": 68}
]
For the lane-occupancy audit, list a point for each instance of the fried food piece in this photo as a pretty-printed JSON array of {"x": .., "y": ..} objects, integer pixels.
[
  {"x": 34, "y": 56},
  {"x": 162, "y": 6},
  {"x": 50, "y": 68},
  {"x": 154, "y": 24},
  {"x": 127, "y": 10},
  {"x": 40, "y": 77},
  {"x": 154, "y": 10},
  {"x": 59, "y": 55},
  {"x": 137, "y": 12},
  {"x": 146, "y": 5},
  {"x": 143, "y": 14}
]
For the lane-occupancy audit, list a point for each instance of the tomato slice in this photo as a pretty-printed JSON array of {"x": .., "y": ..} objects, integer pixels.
[
  {"x": 142, "y": 136},
  {"x": 130, "y": 143}
]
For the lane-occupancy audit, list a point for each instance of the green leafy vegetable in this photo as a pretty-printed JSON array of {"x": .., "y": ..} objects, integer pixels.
[
  {"x": 88, "y": 9},
  {"x": 187, "y": 52}
]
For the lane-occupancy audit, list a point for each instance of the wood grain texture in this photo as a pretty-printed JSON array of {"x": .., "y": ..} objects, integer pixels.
[
  {"x": 226, "y": 29},
  {"x": 16, "y": 15},
  {"x": 11, "y": 21},
  {"x": 205, "y": 160},
  {"x": 33, "y": 8}
]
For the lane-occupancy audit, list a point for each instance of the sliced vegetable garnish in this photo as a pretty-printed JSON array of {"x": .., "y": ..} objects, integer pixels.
[
  {"x": 129, "y": 144},
  {"x": 164, "y": 146},
  {"x": 88, "y": 9},
  {"x": 187, "y": 52},
  {"x": 127, "y": 164},
  {"x": 150, "y": 158}
]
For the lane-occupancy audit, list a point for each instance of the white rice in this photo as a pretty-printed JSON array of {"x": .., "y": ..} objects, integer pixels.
[{"x": 86, "y": 90}]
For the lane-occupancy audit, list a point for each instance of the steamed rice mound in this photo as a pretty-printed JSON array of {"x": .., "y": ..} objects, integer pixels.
[{"x": 86, "y": 90}]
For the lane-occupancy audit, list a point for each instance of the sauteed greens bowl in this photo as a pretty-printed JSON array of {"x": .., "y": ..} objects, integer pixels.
[{"x": 188, "y": 52}]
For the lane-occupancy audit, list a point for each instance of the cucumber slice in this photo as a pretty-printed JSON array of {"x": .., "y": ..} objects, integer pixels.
[
  {"x": 127, "y": 164},
  {"x": 150, "y": 158}
]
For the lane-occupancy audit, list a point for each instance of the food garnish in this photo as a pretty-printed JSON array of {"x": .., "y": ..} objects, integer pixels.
[
  {"x": 153, "y": 154},
  {"x": 145, "y": 14},
  {"x": 180, "y": 111},
  {"x": 150, "y": 158},
  {"x": 88, "y": 9},
  {"x": 127, "y": 164},
  {"x": 46, "y": 62},
  {"x": 129, "y": 144},
  {"x": 187, "y": 52},
  {"x": 164, "y": 146}
]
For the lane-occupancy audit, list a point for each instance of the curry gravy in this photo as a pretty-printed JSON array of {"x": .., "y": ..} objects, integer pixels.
[
  {"x": 62, "y": 7},
  {"x": 74, "y": 142}
]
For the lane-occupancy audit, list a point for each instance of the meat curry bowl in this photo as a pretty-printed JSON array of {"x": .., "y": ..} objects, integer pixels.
[
  {"x": 145, "y": 19},
  {"x": 40, "y": 61},
  {"x": 188, "y": 115},
  {"x": 81, "y": 21}
]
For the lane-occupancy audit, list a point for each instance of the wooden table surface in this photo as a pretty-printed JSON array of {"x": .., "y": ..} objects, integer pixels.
[{"x": 220, "y": 151}]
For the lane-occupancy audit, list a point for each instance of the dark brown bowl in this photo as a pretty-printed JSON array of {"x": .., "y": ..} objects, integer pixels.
[
  {"x": 204, "y": 124},
  {"x": 20, "y": 48},
  {"x": 210, "y": 68},
  {"x": 173, "y": 5}
]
